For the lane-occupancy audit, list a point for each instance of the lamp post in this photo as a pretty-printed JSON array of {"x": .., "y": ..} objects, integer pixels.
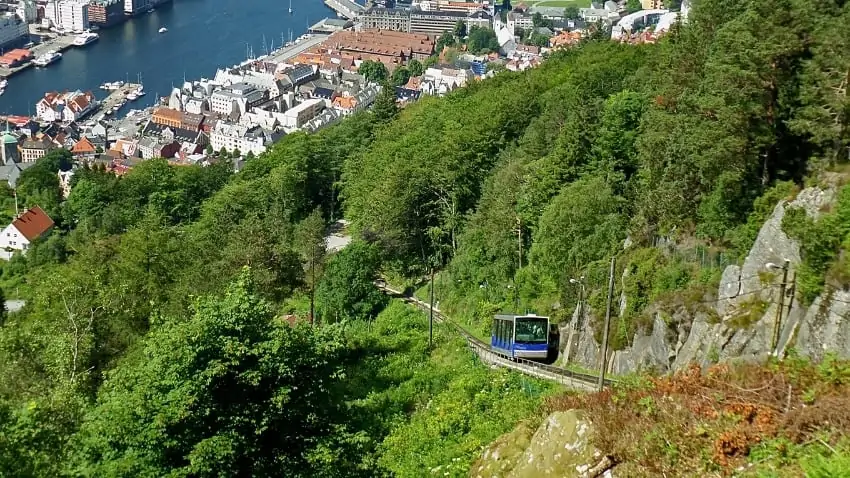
[
  {"x": 575, "y": 329},
  {"x": 778, "y": 321}
]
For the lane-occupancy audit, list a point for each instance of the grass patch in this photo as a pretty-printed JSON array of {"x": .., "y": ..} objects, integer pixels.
[{"x": 413, "y": 409}]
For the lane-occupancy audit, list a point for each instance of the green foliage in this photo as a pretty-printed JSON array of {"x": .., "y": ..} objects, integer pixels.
[
  {"x": 373, "y": 71},
  {"x": 571, "y": 12},
  {"x": 821, "y": 241},
  {"x": 226, "y": 392},
  {"x": 400, "y": 76},
  {"x": 460, "y": 29},
  {"x": 482, "y": 40},
  {"x": 385, "y": 108},
  {"x": 445, "y": 40},
  {"x": 633, "y": 6},
  {"x": 346, "y": 291},
  {"x": 415, "y": 67}
]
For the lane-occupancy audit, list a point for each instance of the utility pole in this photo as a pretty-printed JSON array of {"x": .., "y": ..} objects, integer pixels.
[
  {"x": 777, "y": 323},
  {"x": 519, "y": 238},
  {"x": 431, "y": 313},
  {"x": 604, "y": 360}
]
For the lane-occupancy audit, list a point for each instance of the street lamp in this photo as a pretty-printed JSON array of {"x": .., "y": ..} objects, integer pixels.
[{"x": 778, "y": 321}]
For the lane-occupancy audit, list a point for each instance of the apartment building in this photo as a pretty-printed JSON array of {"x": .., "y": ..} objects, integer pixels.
[
  {"x": 68, "y": 15},
  {"x": 238, "y": 99},
  {"x": 12, "y": 30},
  {"x": 431, "y": 22},
  {"x": 302, "y": 113}
]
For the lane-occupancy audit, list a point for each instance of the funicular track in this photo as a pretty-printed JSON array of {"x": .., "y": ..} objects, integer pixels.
[{"x": 568, "y": 378}]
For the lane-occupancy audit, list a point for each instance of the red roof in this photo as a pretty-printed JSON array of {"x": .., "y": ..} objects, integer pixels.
[
  {"x": 83, "y": 146},
  {"x": 33, "y": 223}
]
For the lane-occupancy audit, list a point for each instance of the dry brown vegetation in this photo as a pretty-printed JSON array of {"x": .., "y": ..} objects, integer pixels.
[{"x": 698, "y": 422}]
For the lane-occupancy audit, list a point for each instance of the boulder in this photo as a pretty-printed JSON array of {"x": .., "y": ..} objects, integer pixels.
[
  {"x": 501, "y": 456},
  {"x": 560, "y": 448}
]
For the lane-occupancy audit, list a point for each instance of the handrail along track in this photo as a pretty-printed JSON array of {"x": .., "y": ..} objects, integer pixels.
[{"x": 569, "y": 378}]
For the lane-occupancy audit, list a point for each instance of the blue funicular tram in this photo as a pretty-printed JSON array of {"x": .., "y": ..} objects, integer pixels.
[{"x": 521, "y": 336}]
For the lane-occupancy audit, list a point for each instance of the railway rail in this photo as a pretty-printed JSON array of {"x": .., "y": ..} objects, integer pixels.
[{"x": 568, "y": 378}]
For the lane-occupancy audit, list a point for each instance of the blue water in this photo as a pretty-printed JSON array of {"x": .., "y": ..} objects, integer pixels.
[{"x": 202, "y": 35}]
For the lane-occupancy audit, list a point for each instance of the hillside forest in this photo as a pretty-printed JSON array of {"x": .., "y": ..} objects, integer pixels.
[{"x": 156, "y": 336}]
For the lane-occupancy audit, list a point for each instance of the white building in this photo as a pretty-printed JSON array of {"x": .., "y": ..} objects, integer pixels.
[
  {"x": 232, "y": 136},
  {"x": 12, "y": 30},
  {"x": 26, "y": 228},
  {"x": 27, "y": 11},
  {"x": 68, "y": 15},
  {"x": 238, "y": 98},
  {"x": 300, "y": 114},
  {"x": 65, "y": 106}
]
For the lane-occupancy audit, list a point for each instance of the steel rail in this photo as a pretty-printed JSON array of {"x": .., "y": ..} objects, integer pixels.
[{"x": 568, "y": 378}]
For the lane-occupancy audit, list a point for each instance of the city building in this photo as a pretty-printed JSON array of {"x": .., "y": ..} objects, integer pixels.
[
  {"x": 65, "y": 106},
  {"x": 652, "y": 4},
  {"x": 26, "y": 228},
  {"x": 34, "y": 148},
  {"x": 68, "y": 15},
  {"x": 232, "y": 137},
  {"x": 433, "y": 22},
  {"x": 83, "y": 149},
  {"x": 236, "y": 99},
  {"x": 65, "y": 182},
  {"x": 521, "y": 21},
  {"x": 13, "y": 31},
  {"x": 27, "y": 11},
  {"x": 297, "y": 116},
  {"x": 437, "y": 23},
  {"x": 134, "y": 7},
  {"x": 104, "y": 13}
]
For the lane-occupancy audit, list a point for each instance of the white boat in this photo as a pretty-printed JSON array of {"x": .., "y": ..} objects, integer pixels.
[
  {"x": 47, "y": 58},
  {"x": 132, "y": 97},
  {"x": 3, "y": 84},
  {"x": 163, "y": 30},
  {"x": 86, "y": 38},
  {"x": 2, "y": 91}
]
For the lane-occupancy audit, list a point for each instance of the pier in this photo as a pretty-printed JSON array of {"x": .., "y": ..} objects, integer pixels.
[
  {"x": 345, "y": 8},
  {"x": 115, "y": 97},
  {"x": 58, "y": 43},
  {"x": 289, "y": 52}
]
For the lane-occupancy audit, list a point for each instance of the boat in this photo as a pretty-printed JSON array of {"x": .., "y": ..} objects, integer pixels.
[
  {"x": 47, "y": 58},
  {"x": 290, "y": 6},
  {"x": 86, "y": 38},
  {"x": 132, "y": 96},
  {"x": 3, "y": 84},
  {"x": 163, "y": 30}
]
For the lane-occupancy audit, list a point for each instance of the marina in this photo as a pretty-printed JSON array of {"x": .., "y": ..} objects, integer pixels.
[
  {"x": 117, "y": 99},
  {"x": 202, "y": 36}
]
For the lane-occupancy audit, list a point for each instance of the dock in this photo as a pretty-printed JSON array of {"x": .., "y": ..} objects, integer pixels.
[
  {"x": 327, "y": 26},
  {"x": 345, "y": 8},
  {"x": 286, "y": 53},
  {"x": 115, "y": 97},
  {"x": 58, "y": 43}
]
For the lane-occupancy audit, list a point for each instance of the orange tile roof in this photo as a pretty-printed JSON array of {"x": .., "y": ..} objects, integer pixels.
[
  {"x": 345, "y": 102},
  {"x": 33, "y": 223},
  {"x": 83, "y": 146}
]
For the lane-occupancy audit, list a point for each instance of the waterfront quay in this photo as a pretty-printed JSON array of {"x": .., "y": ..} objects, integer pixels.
[
  {"x": 115, "y": 98},
  {"x": 58, "y": 43}
]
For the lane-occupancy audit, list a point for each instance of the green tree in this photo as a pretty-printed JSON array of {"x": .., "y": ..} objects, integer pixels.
[
  {"x": 460, "y": 29},
  {"x": 538, "y": 39},
  {"x": 571, "y": 12},
  {"x": 209, "y": 150},
  {"x": 400, "y": 76},
  {"x": 633, "y": 6},
  {"x": 415, "y": 67},
  {"x": 385, "y": 107},
  {"x": 482, "y": 40},
  {"x": 226, "y": 392},
  {"x": 312, "y": 245},
  {"x": 373, "y": 71},
  {"x": 581, "y": 225},
  {"x": 347, "y": 290},
  {"x": 445, "y": 40}
]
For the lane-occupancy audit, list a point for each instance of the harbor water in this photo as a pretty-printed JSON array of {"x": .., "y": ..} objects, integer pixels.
[{"x": 202, "y": 35}]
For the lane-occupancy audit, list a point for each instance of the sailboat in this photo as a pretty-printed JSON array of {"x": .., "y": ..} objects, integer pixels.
[{"x": 290, "y": 7}]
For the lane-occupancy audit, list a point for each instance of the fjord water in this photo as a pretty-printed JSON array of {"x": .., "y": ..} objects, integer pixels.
[{"x": 202, "y": 36}]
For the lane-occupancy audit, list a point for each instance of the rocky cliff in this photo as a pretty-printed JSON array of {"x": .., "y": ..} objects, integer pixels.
[
  {"x": 558, "y": 448},
  {"x": 739, "y": 323}
]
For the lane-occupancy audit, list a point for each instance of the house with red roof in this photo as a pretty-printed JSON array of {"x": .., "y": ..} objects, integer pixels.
[
  {"x": 67, "y": 106},
  {"x": 83, "y": 149},
  {"x": 26, "y": 228}
]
